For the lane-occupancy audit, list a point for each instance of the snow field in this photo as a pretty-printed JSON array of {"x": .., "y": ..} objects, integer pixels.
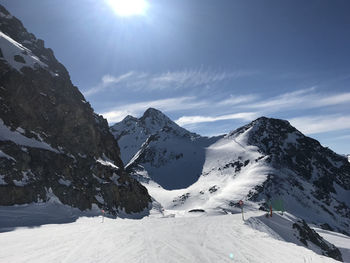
[{"x": 152, "y": 239}]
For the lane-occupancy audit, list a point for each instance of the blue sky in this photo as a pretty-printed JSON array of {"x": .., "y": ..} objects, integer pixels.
[{"x": 210, "y": 65}]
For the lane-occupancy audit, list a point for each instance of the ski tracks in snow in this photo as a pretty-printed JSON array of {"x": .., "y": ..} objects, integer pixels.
[{"x": 200, "y": 239}]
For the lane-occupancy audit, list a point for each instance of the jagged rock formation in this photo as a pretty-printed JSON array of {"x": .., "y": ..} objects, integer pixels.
[{"x": 51, "y": 141}]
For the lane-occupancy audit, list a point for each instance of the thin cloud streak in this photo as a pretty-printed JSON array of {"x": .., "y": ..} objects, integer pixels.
[
  {"x": 235, "y": 100},
  {"x": 321, "y": 124},
  {"x": 188, "y": 120},
  {"x": 106, "y": 82},
  {"x": 169, "y": 80},
  {"x": 301, "y": 99},
  {"x": 343, "y": 137},
  {"x": 241, "y": 107}
]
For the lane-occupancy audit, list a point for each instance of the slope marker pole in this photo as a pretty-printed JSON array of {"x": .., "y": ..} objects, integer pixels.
[{"x": 103, "y": 215}]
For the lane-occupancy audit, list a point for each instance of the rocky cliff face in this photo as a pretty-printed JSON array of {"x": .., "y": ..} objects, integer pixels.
[{"x": 50, "y": 138}]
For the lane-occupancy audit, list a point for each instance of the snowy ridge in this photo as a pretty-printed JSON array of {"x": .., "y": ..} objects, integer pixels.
[
  {"x": 106, "y": 161},
  {"x": 6, "y": 134},
  {"x": 18, "y": 56}
]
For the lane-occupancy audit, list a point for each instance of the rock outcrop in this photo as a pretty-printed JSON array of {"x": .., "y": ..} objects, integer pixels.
[{"x": 51, "y": 141}]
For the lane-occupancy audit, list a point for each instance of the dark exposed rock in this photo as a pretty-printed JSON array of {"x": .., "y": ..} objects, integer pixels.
[
  {"x": 82, "y": 165},
  {"x": 181, "y": 199},
  {"x": 213, "y": 189},
  {"x": 306, "y": 234},
  {"x": 19, "y": 59},
  {"x": 197, "y": 211}
]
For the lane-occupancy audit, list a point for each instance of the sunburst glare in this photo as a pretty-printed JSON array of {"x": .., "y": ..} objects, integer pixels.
[{"x": 128, "y": 7}]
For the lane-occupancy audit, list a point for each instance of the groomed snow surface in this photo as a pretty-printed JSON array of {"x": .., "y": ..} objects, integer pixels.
[{"x": 192, "y": 237}]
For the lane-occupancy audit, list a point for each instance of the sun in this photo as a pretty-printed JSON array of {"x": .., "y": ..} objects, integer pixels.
[{"x": 128, "y": 7}]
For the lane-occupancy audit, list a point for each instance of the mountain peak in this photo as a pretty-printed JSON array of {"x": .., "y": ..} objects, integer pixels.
[
  {"x": 132, "y": 132},
  {"x": 270, "y": 121},
  {"x": 4, "y": 12},
  {"x": 152, "y": 111},
  {"x": 29, "y": 50},
  {"x": 129, "y": 118},
  {"x": 265, "y": 125},
  {"x": 154, "y": 114}
]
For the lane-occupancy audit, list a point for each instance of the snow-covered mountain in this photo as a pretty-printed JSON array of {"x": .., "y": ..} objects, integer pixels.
[
  {"x": 265, "y": 161},
  {"x": 131, "y": 132},
  {"x": 173, "y": 156},
  {"x": 52, "y": 144}
]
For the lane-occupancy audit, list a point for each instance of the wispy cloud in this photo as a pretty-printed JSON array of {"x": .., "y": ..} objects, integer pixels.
[
  {"x": 107, "y": 81},
  {"x": 189, "y": 120},
  {"x": 300, "y": 99},
  {"x": 168, "y": 80},
  {"x": 321, "y": 124},
  {"x": 171, "y": 104},
  {"x": 244, "y": 107},
  {"x": 343, "y": 137},
  {"x": 235, "y": 100}
]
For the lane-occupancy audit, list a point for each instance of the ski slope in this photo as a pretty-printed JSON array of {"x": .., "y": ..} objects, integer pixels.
[{"x": 194, "y": 237}]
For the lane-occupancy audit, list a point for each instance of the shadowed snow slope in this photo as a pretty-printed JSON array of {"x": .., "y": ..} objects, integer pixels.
[{"x": 172, "y": 156}]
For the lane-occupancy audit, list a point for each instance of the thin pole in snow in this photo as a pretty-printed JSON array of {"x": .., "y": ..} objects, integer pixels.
[
  {"x": 241, "y": 205},
  {"x": 270, "y": 210}
]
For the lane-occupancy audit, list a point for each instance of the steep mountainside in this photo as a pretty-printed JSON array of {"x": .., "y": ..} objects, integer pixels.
[
  {"x": 172, "y": 156},
  {"x": 131, "y": 132},
  {"x": 51, "y": 141},
  {"x": 313, "y": 181},
  {"x": 266, "y": 161}
]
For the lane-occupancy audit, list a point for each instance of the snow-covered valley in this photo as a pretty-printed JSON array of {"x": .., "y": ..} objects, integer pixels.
[
  {"x": 202, "y": 221},
  {"x": 73, "y": 189}
]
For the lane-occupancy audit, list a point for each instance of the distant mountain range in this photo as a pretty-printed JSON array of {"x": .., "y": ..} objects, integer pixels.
[{"x": 264, "y": 161}]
